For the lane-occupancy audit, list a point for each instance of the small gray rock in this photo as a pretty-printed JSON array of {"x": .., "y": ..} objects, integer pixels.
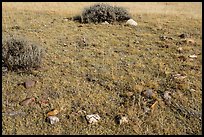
[
  {"x": 148, "y": 93},
  {"x": 29, "y": 83}
]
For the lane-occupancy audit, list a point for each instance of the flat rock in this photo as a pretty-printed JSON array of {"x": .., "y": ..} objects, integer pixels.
[
  {"x": 29, "y": 83},
  {"x": 27, "y": 101}
]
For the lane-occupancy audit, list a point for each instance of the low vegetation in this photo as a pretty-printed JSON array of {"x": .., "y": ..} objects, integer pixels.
[
  {"x": 19, "y": 53},
  {"x": 103, "y": 12},
  {"x": 150, "y": 74}
]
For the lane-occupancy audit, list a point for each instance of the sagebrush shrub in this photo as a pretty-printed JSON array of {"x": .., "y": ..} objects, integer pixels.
[
  {"x": 103, "y": 12},
  {"x": 121, "y": 14},
  {"x": 19, "y": 53}
]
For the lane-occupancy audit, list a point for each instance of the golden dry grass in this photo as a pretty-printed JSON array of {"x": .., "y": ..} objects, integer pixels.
[
  {"x": 118, "y": 60},
  {"x": 189, "y": 9}
]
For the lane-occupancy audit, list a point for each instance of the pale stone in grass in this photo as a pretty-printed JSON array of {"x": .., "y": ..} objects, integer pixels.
[
  {"x": 94, "y": 118},
  {"x": 29, "y": 83},
  {"x": 52, "y": 119},
  {"x": 131, "y": 22},
  {"x": 105, "y": 23}
]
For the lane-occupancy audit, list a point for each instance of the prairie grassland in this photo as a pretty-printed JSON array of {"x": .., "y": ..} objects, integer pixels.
[
  {"x": 108, "y": 75},
  {"x": 189, "y": 9}
]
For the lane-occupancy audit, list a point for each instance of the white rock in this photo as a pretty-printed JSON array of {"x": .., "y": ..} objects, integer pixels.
[
  {"x": 131, "y": 22},
  {"x": 123, "y": 120},
  {"x": 105, "y": 23},
  {"x": 193, "y": 56},
  {"x": 94, "y": 118},
  {"x": 53, "y": 119},
  {"x": 179, "y": 76},
  {"x": 166, "y": 95}
]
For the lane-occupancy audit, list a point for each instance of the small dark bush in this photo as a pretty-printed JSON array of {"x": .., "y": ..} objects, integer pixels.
[
  {"x": 19, "y": 53},
  {"x": 121, "y": 14},
  {"x": 102, "y": 12}
]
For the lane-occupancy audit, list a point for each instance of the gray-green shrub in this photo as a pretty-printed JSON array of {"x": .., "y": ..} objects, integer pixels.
[
  {"x": 19, "y": 53},
  {"x": 103, "y": 12}
]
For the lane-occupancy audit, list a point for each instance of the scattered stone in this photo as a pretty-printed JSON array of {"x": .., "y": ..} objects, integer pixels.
[
  {"x": 53, "y": 94},
  {"x": 163, "y": 38},
  {"x": 81, "y": 112},
  {"x": 180, "y": 49},
  {"x": 66, "y": 19},
  {"x": 43, "y": 102},
  {"x": 121, "y": 119},
  {"x": 53, "y": 112},
  {"x": 131, "y": 22},
  {"x": 183, "y": 35},
  {"x": 65, "y": 44},
  {"x": 148, "y": 93},
  {"x": 105, "y": 23},
  {"x": 137, "y": 42},
  {"x": 14, "y": 113},
  {"x": 52, "y": 119},
  {"x": 192, "y": 90},
  {"x": 189, "y": 41},
  {"x": 193, "y": 56},
  {"x": 167, "y": 97},
  {"x": 4, "y": 70},
  {"x": 29, "y": 83},
  {"x": 179, "y": 76},
  {"x": 82, "y": 42},
  {"x": 129, "y": 94},
  {"x": 94, "y": 118},
  {"x": 27, "y": 101}
]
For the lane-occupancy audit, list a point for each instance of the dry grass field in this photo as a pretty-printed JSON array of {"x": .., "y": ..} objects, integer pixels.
[{"x": 108, "y": 75}]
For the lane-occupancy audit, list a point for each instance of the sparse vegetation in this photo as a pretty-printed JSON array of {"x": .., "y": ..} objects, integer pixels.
[
  {"x": 106, "y": 70},
  {"x": 19, "y": 53},
  {"x": 103, "y": 12}
]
